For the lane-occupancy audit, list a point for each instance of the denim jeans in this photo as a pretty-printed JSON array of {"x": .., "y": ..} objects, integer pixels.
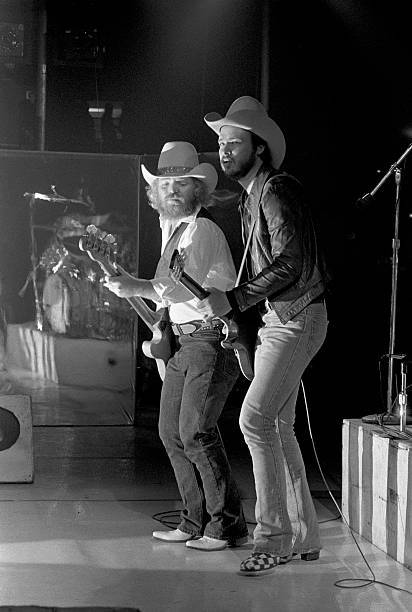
[
  {"x": 198, "y": 380},
  {"x": 285, "y": 514}
]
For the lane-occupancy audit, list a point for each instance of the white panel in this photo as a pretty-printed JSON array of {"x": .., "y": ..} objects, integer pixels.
[
  {"x": 402, "y": 499},
  {"x": 380, "y": 453},
  {"x": 16, "y": 462}
]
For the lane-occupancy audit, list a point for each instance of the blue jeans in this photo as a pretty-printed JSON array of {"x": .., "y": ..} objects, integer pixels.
[
  {"x": 285, "y": 514},
  {"x": 198, "y": 380}
]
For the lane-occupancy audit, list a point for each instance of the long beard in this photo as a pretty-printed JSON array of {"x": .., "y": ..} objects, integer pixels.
[{"x": 170, "y": 210}]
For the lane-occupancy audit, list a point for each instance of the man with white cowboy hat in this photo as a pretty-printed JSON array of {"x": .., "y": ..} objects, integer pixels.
[
  {"x": 286, "y": 281},
  {"x": 200, "y": 374}
]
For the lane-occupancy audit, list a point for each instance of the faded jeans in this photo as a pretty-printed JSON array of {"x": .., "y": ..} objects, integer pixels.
[
  {"x": 285, "y": 514},
  {"x": 198, "y": 380}
]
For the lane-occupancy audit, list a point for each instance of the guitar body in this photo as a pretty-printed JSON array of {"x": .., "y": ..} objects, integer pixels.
[
  {"x": 161, "y": 346},
  {"x": 240, "y": 336},
  {"x": 101, "y": 248}
]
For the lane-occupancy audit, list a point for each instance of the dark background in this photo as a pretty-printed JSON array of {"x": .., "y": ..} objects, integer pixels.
[{"x": 338, "y": 83}]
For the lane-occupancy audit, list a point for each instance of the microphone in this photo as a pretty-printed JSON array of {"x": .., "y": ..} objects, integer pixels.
[{"x": 364, "y": 200}]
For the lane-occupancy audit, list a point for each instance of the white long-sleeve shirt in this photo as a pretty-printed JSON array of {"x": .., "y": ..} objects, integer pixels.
[{"x": 207, "y": 260}]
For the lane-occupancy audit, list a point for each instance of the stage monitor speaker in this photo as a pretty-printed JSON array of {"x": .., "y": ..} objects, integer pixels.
[{"x": 16, "y": 439}]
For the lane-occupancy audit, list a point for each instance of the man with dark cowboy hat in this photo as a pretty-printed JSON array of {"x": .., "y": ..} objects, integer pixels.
[
  {"x": 201, "y": 374},
  {"x": 286, "y": 280}
]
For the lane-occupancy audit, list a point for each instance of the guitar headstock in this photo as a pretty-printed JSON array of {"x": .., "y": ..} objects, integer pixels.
[
  {"x": 101, "y": 247},
  {"x": 176, "y": 265},
  {"x": 177, "y": 273}
]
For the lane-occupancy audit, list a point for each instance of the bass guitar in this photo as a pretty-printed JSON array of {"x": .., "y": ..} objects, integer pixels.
[
  {"x": 240, "y": 330},
  {"x": 102, "y": 248}
]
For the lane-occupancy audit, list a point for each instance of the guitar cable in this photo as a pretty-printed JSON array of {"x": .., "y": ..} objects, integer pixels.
[{"x": 171, "y": 519}]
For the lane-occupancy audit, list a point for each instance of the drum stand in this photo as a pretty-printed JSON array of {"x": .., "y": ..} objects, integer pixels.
[
  {"x": 397, "y": 413},
  {"x": 56, "y": 199}
]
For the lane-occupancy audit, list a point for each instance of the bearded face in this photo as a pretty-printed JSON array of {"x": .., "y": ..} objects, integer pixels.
[
  {"x": 175, "y": 198},
  {"x": 237, "y": 154}
]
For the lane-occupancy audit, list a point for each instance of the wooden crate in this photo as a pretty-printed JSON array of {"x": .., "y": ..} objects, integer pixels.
[{"x": 377, "y": 486}]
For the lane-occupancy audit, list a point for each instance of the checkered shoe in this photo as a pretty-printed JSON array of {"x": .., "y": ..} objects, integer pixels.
[{"x": 261, "y": 563}]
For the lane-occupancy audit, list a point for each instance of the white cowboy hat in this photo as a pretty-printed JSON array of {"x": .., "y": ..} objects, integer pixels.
[
  {"x": 180, "y": 160},
  {"x": 249, "y": 114}
]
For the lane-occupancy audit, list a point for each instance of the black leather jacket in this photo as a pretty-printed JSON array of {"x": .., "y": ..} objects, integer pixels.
[{"x": 286, "y": 266}]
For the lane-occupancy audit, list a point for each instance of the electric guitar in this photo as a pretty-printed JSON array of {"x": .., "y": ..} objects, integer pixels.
[
  {"x": 240, "y": 330},
  {"x": 101, "y": 248}
]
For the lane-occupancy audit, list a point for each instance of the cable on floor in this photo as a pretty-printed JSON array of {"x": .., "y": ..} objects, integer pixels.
[
  {"x": 346, "y": 583},
  {"x": 171, "y": 519},
  {"x": 168, "y": 518}
]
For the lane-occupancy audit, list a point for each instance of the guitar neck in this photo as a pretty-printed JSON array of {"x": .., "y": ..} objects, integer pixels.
[
  {"x": 100, "y": 252},
  {"x": 147, "y": 315},
  {"x": 176, "y": 263},
  {"x": 194, "y": 287}
]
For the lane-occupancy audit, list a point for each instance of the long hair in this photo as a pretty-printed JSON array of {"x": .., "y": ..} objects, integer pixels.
[{"x": 265, "y": 156}]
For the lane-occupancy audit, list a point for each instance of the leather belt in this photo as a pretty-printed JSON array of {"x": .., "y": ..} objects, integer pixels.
[
  {"x": 320, "y": 299},
  {"x": 190, "y": 327}
]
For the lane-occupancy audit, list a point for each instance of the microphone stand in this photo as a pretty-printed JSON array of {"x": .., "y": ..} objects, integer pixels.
[
  {"x": 33, "y": 257},
  {"x": 389, "y": 418}
]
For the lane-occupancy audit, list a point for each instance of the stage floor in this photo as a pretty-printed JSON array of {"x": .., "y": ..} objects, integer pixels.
[{"x": 80, "y": 534}]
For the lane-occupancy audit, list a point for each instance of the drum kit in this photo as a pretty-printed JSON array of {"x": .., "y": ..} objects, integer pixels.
[{"x": 69, "y": 295}]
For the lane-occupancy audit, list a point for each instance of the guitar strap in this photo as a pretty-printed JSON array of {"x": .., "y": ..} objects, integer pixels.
[
  {"x": 163, "y": 263},
  {"x": 170, "y": 246},
  {"x": 245, "y": 252},
  {"x": 252, "y": 227}
]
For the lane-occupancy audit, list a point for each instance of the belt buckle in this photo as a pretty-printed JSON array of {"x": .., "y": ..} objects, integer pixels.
[
  {"x": 192, "y": 324},
  {"x": 183, "y": 329}
]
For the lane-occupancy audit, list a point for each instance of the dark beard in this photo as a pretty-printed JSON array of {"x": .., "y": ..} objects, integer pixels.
[{"x": 238, "y": 170}]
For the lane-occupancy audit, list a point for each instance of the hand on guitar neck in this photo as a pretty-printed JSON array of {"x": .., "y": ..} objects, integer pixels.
[
  {"x": 240, "y": 329},
  {"x": 101, "y": 247}
]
